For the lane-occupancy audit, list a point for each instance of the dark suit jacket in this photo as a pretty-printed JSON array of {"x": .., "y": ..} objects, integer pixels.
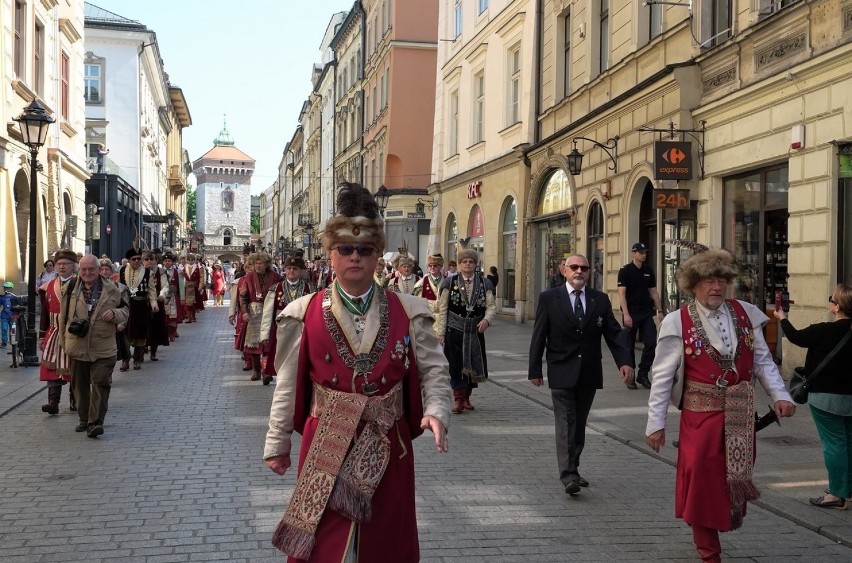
[{"x": 574, "y": 348}]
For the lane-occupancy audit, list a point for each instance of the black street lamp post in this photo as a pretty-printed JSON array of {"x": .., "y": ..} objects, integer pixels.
[
  {"x": 171, "y": 218},
  {"x": 309, "y": 231},
  {"x": 282, "y": 246},
  {"x": 34, "y": 123}
]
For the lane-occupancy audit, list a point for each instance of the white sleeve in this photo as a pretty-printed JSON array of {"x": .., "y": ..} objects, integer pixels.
[{"x": 665, "y": 371}]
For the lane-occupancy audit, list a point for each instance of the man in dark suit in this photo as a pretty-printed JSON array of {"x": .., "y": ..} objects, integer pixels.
[
  {"x": 569, "y": 323},
  {"x": 557, "y": 279}
]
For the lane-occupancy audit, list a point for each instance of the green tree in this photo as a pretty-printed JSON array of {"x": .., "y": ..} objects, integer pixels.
[
  {"x": 255, "y": 223},
  {"x": 190, "y": 207}
]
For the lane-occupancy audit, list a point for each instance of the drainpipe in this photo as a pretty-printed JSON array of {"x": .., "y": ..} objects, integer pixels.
[
  {"x": 539, "y": 23},
  {"x": 361, "y": 93}
]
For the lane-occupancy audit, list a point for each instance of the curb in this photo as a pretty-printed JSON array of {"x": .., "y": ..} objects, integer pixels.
[
  {"x": 22, "y": 401},
  {"x": 772, "y": 506}
]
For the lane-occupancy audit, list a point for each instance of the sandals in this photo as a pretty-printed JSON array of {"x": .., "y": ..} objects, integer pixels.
[{"x": 839, "y": 504}]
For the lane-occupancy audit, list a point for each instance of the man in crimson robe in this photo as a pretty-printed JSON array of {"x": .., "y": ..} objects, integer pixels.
[
  {"x": 709, "y": 353},
  {"x": 360, "y": 374}
]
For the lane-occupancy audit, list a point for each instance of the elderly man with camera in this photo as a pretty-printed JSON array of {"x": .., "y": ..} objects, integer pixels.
[{"x": 87, "y": 324}]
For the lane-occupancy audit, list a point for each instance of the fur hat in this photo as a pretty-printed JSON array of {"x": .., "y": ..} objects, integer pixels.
[
  {"x": 403, "y": 259},
  {"x": 169, "y": 255},
  {"x": 295, "y": 260},
  {"x": 435, "y": 259},
  {"x": 132, "y": 252},
  {"x": 65, "y": 254},
  {"x": 705, "y": 264},
  {"x": 358, "y": 220},
  {"x": 465, "y": 253}
]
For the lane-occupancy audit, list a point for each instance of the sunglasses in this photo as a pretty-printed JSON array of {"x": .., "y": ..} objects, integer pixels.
[
  {"x": 136, "y": 259},
  {"x": 831, "y": 300},
  {"x": 348, "y": 249},
  {"x": 575, "y": 267}
]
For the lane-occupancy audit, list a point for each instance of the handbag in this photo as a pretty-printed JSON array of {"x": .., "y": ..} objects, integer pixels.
[{"x": 800, "y": 384}]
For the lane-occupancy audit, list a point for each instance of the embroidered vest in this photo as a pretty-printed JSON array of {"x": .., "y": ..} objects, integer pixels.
[
  {"x": 700, "y": 366},
  {"x": 321, "y": 362},
  {"x": 282, "y": 295},
  {"x": 457, "y": 302},
  {"x": 429, "y": 291}
]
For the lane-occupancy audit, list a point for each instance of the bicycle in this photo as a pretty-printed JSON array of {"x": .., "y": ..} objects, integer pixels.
[{"x": 17, "y": 325}]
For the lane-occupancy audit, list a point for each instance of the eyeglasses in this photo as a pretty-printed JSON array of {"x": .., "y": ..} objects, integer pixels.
[
  {"x": 831, "y": 300},
  {"x": 135, "y": 259},
  {"x": 575, "y": 267},
  {"x": 348, "y": 249}
]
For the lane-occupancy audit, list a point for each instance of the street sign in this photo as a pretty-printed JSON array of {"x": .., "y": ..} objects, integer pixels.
[
  {"x": 672, "y": 160},
  {"x": 155, "y": 218},
  {"x": 417, "y": 215},
  {"x": 671, "y": 199},
  {"x": 394, "y": 213}
]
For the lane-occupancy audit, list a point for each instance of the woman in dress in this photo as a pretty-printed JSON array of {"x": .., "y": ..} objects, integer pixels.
[
  {"x": 252, "y": 294},
  {"x": 218, "y": 281}
]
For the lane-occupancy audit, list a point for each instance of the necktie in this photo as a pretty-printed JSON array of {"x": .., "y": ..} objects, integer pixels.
[
  {"x": 578, "y": 304},
  {"x": 357, "y": 301}
]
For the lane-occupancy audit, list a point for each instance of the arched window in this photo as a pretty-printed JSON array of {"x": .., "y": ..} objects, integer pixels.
[
  {"x": 227, "y": 200},
  {"x": 506, "y": 284},
  {"x": 595, "y": 251},
  {"x": 452, "y": 236},
  {"x": 556, "y": 194},
  {"x": 226, "y": 237}
]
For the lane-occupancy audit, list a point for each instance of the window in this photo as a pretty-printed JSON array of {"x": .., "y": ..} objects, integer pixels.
[
  {"x": 227, "y": 200},
  {"x": 92, "y": 83},
  {"x": 655, "y": 20},
  {"x": 595, "y": 251},
  {"x": 506, "y": 284},
  {"x": 20, "y": 18},
  {"x": 514, "y": 95},
  {"x": 452, "y": 236},
  {"x": 604, "y": 35},
  {"x": 63, "y": 85},
  {"x": 566, "y": 54},
  {"x": 483, "y": 5},
  {"x": 226, "y": 237},
  {"x": 478, "y": 106},
  {"x": 38, "y": 58},
  {"x": 454, "y": 123},
  {"x": 721, "y": 29},
  {"x": 375, "y": 102},
  {"x": 457, "y": 19}
]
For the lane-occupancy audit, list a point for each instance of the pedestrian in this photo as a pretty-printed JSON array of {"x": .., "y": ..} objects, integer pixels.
[
  {"x": 637, "y": 290},
  {"x": 405, "y": 279},
  {"x": 380, "y": 274},
  {"x": 172, "y": 304},
  {"x": 322, "y": 275},
  {"x": 429, "y": 287},
  {"x": 48, "y": 274},
  {"x": 289, "y": 289},
  {"x": 123, "y": 353},
  {"x": 158, "y": 332},
  {"x": 235, "y": 312},
  {"x": 559, "y": 278},
  {"x": 452, "y": 268},
  {"x": 252, "y": 294},
  {"x": 218, "y": 285},
  {"x": 55, "y": 367},
  {"x": 708, "y": 354},
  {"x": 493, "y": 277},
  {"x": 569, "y": 323},
  {"x": 102, "y": 152},
  {"x": 142, "y": 293},
  {"x": 830, "y": 397},
  {"x": 354, "y": 496},
  {"x": 87, "y": 333},
  {"x": 466, "y": 309},
  {"x": 7, "y": 298},
  {"x": 193, "y": 279}
]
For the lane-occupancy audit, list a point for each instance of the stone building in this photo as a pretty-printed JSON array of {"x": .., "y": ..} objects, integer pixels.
[{"x": 223, "y": 199}]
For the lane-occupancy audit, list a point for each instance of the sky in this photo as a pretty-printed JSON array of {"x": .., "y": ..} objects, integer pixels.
[{"x": 248, "y": 61}]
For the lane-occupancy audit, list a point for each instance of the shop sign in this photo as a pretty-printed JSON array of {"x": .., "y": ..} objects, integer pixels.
[
  {"x": 671, "y": 199},
  {"x": 421, "y": 215},
  {"x": 396, "y": 213},
  {"x": 672, "y": 160},
  {"x": 155, "y": 218},
  {"x": 474, "y": 189}
]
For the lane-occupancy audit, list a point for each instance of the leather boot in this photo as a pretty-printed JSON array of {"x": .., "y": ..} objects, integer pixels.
[
  {"x": 54, "y": 392},
  {"x": 458, "y": 395},
  {"x": 246, "y": 362},
  {"x": 153, "y": 354},
  {"x": 255, "y": 361},
  {"x": 466, "y": 403},
  {"x": 707, "y": 543}
]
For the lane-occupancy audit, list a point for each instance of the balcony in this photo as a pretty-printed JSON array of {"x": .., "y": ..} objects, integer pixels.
[{"x": 177, "y": 183}]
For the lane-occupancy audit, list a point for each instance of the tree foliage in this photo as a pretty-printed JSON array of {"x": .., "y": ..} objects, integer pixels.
[
  {"x": 190, "y": 206},
  {"x": 255, "y": 223}
]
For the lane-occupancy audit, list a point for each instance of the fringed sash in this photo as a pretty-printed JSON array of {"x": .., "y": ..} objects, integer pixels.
[
  {"x": 737, "y": 401},
  {"x": 345, "y": 482}
]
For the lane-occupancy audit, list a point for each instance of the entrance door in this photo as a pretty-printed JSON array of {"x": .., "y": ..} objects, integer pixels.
[{"x": 648, "y": 224}]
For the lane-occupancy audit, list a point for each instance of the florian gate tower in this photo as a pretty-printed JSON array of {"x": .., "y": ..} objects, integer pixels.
[{"x": 223, "y": 198}]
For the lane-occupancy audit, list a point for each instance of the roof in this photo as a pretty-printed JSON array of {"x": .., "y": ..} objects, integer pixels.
[
  {"x": 226, "y": 152},
  {"x": 97, "y": 16},
  {"x": 179, "y": 103}
]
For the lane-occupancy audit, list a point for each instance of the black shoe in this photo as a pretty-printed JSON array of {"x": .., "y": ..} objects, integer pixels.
[
  {"x": 839, "y": 504},
  {"x": 95, "y": 431},
  {"x": 573, "y": 487},
  {"x": 582, "y": 482},
  {"x": 81, "y": 427},
  {"x": 632, "y": 385},
  {"x": 644, "y": 382},
  {"x": 267, "y": 380}
]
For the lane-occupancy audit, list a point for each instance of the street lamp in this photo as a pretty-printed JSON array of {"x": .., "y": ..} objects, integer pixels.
[
  {"x": 309, "y": 230},
  {"x": 34, "y": 123},
  {"x": 382, "y": 196},
  {"x": 171, "y": 218},
  {"x": 575, "y": 157},
  {"x": 281, "y": 246}
]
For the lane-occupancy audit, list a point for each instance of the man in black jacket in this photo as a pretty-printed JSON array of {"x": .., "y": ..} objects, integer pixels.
[{"x": 569, "y": 327}]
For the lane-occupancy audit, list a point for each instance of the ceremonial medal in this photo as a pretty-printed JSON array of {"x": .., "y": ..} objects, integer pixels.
[
  {"x": 688, "y": 351},
  {"x": 369, "y": 389},
  {"x": 600, "y": 322},
  {"x": 360, "y": 324}
]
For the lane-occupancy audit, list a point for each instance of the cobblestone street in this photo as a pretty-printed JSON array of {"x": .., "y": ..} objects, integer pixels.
[{"x": 178, "y": 476}]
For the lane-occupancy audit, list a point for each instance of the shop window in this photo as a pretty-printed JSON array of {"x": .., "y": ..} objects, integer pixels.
[
  {"x": 452, "y": 237},
  {"x": 595, "y": 251},
  {"x": 226, "y": 237},
  {"x": 506, "y": 285},
  {"x": 556, "y": 194},
  {"x": 476, "y": 232},
  {"x": 844, "y": 215},
  {"x": 755, "y": 216},
  {"x": 678, "y": 224}
]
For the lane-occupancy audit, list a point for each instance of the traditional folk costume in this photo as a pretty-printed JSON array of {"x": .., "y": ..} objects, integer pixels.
[
  {"x": 429, "y": 286},
  {"x": 400, "y": 283},
  {"x": 191, "y": 295},
  {"x": 158, "y": 332},
  {"x": 142, "y": 294},
  {"x": 282, "y": 294},
  {"x": 355, "y": 385},
  {"x": 172, "y": 304},
  {"x": 706, "y": 364},
  {"x": 322, "y": 278},
  {"x": 252, "y": 296},
  {"x": 462, "y": 305},
  {"x": 55, "y": 365}
]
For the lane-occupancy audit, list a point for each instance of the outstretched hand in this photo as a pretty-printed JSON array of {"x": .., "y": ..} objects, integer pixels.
[{"x": 437, "y": 427}]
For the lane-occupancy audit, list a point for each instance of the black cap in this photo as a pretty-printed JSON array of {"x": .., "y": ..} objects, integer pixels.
[{"x": 640, "y": 247}]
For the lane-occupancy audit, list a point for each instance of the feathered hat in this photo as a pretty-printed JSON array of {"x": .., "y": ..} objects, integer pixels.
[
  {"x": 65, "y": 254},
  {"x": 358, "y": 220},
  {"x": 704, "y": 263},
  {"x": 463, "y": 252},
  {"x": 404, "y": 256},
  {"x": 132, "y": 252},
  {"x": 435, "y": 259}
]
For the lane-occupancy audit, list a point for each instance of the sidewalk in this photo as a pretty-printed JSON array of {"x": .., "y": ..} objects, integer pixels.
[{"x": 789, "y": 467}]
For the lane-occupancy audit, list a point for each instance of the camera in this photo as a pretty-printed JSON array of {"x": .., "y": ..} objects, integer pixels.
[{"x": 78, "y": 327}]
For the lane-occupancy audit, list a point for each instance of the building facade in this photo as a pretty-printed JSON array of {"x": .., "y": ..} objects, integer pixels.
[
  {"x": 223, "y": 200},
  {"x": 41, "y": 58},
  {"x": 348, "y": 46}
]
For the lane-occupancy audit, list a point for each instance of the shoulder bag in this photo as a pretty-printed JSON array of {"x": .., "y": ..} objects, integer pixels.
[{"x": 800, "y": 384}]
